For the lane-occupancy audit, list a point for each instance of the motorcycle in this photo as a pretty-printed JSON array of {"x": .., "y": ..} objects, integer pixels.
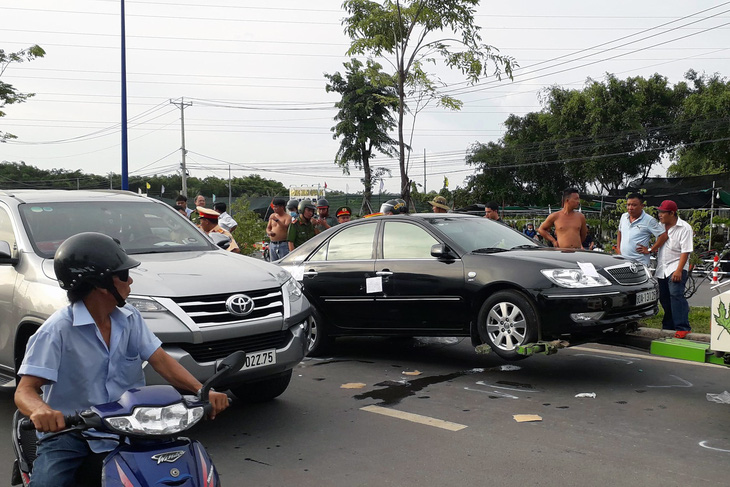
[
  {"x": 265, "y": 250},
  {"x": 147, "y": 420}
]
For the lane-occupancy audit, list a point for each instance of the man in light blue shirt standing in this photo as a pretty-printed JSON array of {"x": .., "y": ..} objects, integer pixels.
[
  {"x": 636, "y": 229},
  {"x": 89, "y": 353}
]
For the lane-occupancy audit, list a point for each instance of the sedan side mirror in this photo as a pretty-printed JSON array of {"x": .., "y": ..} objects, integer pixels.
[
  {"x": 442, "y": 251},
  {"x": 6, "y": 254}
]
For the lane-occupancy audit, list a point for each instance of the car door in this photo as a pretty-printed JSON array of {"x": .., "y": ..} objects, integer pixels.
[
  {"x": 419, "y": 290},
  {"x": 8, "y": 277},
  {"x": 335, "y": 276}
]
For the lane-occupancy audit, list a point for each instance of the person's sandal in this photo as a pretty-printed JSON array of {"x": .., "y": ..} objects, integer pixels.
[{"x": 681, "y": 334}]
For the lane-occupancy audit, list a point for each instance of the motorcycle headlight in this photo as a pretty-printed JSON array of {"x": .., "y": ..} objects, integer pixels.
[
  {"x": 574, "y": 278},
  {"x": 166, "y": 420}
]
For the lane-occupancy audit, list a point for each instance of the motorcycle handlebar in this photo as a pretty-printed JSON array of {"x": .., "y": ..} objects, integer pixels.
[{"x": 70, "y": 420}]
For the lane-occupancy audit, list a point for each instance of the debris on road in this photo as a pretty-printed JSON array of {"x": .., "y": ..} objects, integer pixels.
[
  {"x": 353, "y": 385},
  {"x": 587, "y": 394},
  {"x": 415, "y": 372},
  {"x": 524, "y": 418},
  {"x": 723, "y": 398}
]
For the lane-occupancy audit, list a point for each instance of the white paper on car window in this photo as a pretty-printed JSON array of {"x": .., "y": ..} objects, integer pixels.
[
  {"x": 588, "y": 269},
  {"x": 374, "y": 285}
]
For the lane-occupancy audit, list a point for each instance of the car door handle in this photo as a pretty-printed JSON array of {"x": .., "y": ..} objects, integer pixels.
[
  {"x": 310, "y": 273},
  {"x": 383, "y": 273}
]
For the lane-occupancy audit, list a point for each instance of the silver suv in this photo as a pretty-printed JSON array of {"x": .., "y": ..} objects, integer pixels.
[{"x": 201, "y": 301}]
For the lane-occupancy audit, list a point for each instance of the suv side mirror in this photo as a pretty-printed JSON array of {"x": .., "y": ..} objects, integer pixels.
[
  {"x": 220, "y": 240},
  {"x": 442, "y": 251},
  {"x": 6, "y": 254}
]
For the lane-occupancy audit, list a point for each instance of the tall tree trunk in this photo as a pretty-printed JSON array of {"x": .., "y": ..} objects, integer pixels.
[
  {"x": 368, "y": 179},
  {"x": 405, "y": 186}
]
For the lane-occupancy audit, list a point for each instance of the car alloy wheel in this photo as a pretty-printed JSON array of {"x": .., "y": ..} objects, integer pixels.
[
  {"x": 318, "y": 342},
  {"x": 506, "y": 321}
]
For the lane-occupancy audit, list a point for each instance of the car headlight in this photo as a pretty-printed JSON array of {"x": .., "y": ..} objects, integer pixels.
[
  {"x": 290, "y": 289},
  {"x": 144, "y": 305},
  {"x": 574, "y": 278},
  {"x": 166, "y": 420}
]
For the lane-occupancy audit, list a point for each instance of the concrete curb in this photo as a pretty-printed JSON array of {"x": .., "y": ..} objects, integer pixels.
[{"x": 655, "y": 333}]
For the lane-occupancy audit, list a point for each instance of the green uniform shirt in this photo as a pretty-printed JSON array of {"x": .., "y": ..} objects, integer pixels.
[
  {"x": 299, "y": 232},
  {"x": 195, "y": 217}
]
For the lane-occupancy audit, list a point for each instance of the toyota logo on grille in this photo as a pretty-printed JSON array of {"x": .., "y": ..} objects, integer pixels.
[
  {"x": 239, "y": 305},
  {"x": 634, "y": 268}
]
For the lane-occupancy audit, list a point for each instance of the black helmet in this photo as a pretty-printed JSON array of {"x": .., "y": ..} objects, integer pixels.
[
  {"x": 292, "y": 205},
  {"x": 306, "y": 203},
  {"x": 323, "y": 202},
  {"x": 91, "y": 258},
  {"x": 396, "y": 206}
]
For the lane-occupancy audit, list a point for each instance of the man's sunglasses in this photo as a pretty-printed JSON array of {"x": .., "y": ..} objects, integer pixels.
[{"x": 123, "y": 275}]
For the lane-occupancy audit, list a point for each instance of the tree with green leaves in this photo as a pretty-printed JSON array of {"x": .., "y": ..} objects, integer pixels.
[
  {"x": 364, "y": 119},
  {"x": 8, "y": 93},
  {"x": 705, "y": 119},
  {"x": 412, "y": 32},
  {"x": 250, "y": 229},
  {"x": 596, "y": 139}
]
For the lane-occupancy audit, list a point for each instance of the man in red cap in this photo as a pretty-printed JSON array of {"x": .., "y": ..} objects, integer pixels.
[
  {"x": 672, "y": 269},
  {"x": 209, "y": 223},
  {"x": 344, "y": 214}
]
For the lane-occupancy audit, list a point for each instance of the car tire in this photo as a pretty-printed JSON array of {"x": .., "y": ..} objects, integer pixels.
[
  {"x": 263, "y": 390},
  {"x": 507, "y": 320},
  {"x": 318, "y": 342}
]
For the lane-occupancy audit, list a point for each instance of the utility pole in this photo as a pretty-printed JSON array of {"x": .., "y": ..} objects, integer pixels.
[
  {"x": 125, "y": 146},
  {"x": 424, "y": 172},
  {"x": 182, "y": 104},
  {"x": 230, "y": 191}
]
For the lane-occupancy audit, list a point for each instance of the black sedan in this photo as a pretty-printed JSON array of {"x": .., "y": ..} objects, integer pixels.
[{"x": 447, "y": 274}]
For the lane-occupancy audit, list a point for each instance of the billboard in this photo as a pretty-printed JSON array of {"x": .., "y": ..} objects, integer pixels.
[{"x": 302, "y": 192}]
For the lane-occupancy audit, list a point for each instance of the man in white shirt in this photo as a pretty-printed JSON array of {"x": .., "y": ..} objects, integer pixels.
[
  {"x": 673, "y": 268},
  {"x": 225, "y": 221}
]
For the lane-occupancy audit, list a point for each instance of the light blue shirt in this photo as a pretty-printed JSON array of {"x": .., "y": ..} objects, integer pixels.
[
  {"x": 70, "y": 353},
  {"x": 638, "y": 232}
]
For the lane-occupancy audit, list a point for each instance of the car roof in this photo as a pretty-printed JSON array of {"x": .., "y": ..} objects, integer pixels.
[{"x": 60, "y": 195}]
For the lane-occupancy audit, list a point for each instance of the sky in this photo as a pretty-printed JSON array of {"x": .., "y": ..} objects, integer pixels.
[{"x": 253, "y": 72}]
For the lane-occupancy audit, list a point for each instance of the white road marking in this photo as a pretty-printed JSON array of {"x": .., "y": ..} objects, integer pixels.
[
  {"x": 606, "y": 358},
  {"x": 503, "y": 394},
  {"x": 482, "y": 383},
  {"x": 646, "y": 357},
  {"x": 685, "y": 383},
  {"x": 703, "y": 444},
  {"x": 415, "y": 418}
]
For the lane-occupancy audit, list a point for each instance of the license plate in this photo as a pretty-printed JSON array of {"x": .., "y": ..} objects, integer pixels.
[
  {"x": 260, "y": 359},
  {"x": 645, "y": 297}
]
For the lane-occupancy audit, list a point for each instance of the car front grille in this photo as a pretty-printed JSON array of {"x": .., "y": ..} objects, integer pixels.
[
  {"x": 218, "y": 349},
  {"x": 211, "y": 310},
  {"x": 628, "y": 274}
]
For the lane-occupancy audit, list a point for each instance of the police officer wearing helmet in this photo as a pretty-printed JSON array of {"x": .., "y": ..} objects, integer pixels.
[
  {"x": 394, "y": 207},
  {"x": 302, "y": 228},
  {"x": 325, "y": 221},
  {"x": 89, "y": 353}
]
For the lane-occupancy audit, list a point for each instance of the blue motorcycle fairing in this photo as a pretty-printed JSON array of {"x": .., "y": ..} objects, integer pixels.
[
  {"x": 134, "y": 466},
  {"x": 154, "y": 396}
]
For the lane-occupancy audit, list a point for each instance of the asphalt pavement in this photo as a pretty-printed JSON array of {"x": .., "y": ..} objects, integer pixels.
[{"x": 432, "y": 412}]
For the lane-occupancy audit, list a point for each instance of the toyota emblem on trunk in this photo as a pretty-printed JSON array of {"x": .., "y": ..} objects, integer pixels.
[{"x": 239, "y": 305}]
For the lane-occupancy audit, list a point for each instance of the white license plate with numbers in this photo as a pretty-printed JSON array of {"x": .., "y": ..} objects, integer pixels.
[
  {"x": 645, "y": 297},
  {"x": 260, "y": 359}
]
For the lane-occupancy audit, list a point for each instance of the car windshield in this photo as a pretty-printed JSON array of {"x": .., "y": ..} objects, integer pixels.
[
  {"x": 141, "y": 227},
  {"x": 482, "y": 235}
]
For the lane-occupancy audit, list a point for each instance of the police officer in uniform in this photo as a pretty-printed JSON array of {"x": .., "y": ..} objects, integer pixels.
[
  {"x": 302, "y": 228},
  {"x": 325, "y": 219}
]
